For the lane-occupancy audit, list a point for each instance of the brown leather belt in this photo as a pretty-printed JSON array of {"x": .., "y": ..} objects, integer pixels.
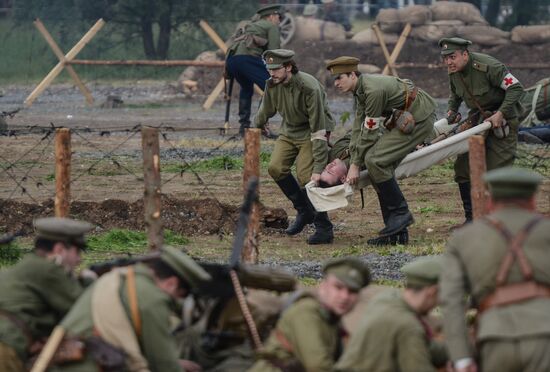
[{"x": 514, "y": 293}]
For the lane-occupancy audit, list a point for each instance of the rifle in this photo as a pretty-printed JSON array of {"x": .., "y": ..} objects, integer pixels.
[{"x": 471, "y": 121}]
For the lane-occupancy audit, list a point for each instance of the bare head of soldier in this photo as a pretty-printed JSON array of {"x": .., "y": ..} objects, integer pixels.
[
  {"x": 344, "y": 278},
  {"x": 61, "y": 240},
  {"x": 454, "y": 53},
  {"x": 334, "y": 173},
  {"x": 345, "y": 71},
  {"x": 421, "y": 283}
]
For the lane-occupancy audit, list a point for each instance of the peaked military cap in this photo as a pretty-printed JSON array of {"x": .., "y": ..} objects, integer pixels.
[
  {"x": 342, "y": 65},
  {"x": 270, "y": 9},
  {"x": 423, "y": 271},
  {"x": 350, "y": 270},
  {"x": 276, "y": 57},
  {"x": 449, "y": 45},
  {"x": 62, "y": 229},
  {"x": 512, "y": 182},
  {"x": 186, "y": 268}
]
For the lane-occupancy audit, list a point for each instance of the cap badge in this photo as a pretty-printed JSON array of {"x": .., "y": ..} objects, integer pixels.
[
  {"x": 270, "y": 60},
  {"x": 445, "y": 46},
  {"x": 353, "y": 273}
]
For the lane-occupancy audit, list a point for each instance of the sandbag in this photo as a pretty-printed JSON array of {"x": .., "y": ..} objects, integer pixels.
[
  {"x": 539, "y": 34},
  {"x": 542, "y": 105},
  {"x": 316, "y": 29},
  {"x": 434, "y": 31},
  {"x": 465, "y": 12},
  {"x": 368, "y": 36},
  {"x": 388, "y": 20},
  {"x": 416, "y": 15},
  {"x": 195, "y": 73},
  {"x": 484, "y": 35},
  {"x": 366, "y": 68}
]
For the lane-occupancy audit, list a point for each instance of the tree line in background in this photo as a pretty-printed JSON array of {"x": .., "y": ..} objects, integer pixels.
[{"x": 155, "y": 21}]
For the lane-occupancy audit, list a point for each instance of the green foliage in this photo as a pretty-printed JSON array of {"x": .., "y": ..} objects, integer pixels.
[
  {"x": 129, "y": 241},
  {"x": 223, "y": 162},
  {"x": 9, "y": 254},
  {"x": 50, "y": 177},
  {"x": 346, "y": 115}
]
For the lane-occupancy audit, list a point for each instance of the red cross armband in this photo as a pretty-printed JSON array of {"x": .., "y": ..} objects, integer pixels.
[
  {"x": 372, "y": 123},
  {"x": 508, "y": 81}
]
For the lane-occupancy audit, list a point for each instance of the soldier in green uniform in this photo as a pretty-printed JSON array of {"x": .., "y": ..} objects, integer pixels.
[
  {"x": 301, "y": 100},
  {"x": 129, "y": 310},
  {"x": 485, "y": 85},
  {"x": 392, "y": 335},
  {"x": 39, "y": 290},
  {"x": 308, "y": 336},
  {"x": 501, "y": 261},
  {"x": 392, "y": 117},
  {"x": 244, "y": 62}
]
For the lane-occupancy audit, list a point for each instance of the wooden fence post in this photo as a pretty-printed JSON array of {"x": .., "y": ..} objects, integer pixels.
[
  {"x": 252, "y": 169},
  {"x": 62, "y": 172},
  {"x": 152, "y": 193},
  {"x": 478, "y": 167}
]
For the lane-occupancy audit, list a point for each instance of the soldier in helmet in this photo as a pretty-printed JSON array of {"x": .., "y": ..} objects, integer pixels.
[
  {"x": 491, "y": 93},
  {"x": 40, "y": 289},
  {"x": 308, "y": 336},
  {"x": 392, "y": 335},
  {"x": 392, "y": 117},
  {"x": 244, "y": 58},
  {"x": 501, "y": 263},
  {"x": 301, "y": 100}
]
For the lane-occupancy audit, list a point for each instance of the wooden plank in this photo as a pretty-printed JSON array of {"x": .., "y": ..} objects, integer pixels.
[
  {"x": 215, "y": 93},
  {"x": 57, "y": 51},
  {"x": 384, "y": 48},
  {"x": 59, "y": 67},
  {"x": 478, "y": 167},
  {"x": 152, "y": 191},
  {"x": 213, "y": 35},
  {"x": 62, "y": 172},
  {"x": 397, "y": 49},
  {"x": 252, "y": 169}
]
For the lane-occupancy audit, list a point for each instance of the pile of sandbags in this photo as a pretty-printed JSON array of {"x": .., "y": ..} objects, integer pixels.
[
  {"x": 539, "y": 34},
  {"x": 368, "y": 36},
  {"x": 442, "y": 19},
  {"x": 188, "y": 81},
  {"x": 316, "y": 29}
]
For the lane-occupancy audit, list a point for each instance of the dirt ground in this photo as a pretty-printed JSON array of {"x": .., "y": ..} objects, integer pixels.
[{"x": 107, "y": 184}]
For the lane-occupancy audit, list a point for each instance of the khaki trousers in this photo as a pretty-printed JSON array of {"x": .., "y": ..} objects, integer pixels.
[{"x": 288, "y": 152}]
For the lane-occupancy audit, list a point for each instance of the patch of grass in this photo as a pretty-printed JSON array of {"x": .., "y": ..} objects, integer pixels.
[
  {"x": 430, "y": 209},
  {"x": 10, "y": 254},
  {"x": 389, "y": 283},
  {"x": 129, "y": 241},
  {"x": 223, "y": 162},
  {"x": 50, "y": 177},
  {"x": 308, "y": 282}
]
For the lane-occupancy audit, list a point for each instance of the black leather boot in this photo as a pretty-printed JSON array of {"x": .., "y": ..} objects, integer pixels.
[
  {"x": 402, "y": 237},
  {"x": 464, "y": 189},
  {"x": 245, "y": 107},
  {"x": 398, "y": 214},
  {"x": 323, "y": 230},
  {"x": 300, "y": 201}
]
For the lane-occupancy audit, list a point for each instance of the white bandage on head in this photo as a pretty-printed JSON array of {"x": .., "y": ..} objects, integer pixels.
[
  {"x": 319, "y": 135},
  {"x": 329, "y": 198}
]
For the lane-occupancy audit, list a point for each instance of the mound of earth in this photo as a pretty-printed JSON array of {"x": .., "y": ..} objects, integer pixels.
[{"x": 186, "y": 217}]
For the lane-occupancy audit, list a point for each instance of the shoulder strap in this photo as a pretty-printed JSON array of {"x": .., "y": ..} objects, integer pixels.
[
  {"x": 132, "y": 298},
  {"x": 515, "y": 249}
]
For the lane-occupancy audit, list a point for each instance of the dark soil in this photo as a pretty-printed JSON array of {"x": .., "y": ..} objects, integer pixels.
[{"x": 186, "y": 217}]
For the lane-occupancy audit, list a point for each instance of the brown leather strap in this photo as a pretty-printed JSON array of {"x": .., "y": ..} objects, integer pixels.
[
  {"x": 478, "y": 106},
  {"x": 514, "y": 293},
  {"x": 284, "y": 341},
  {"x": 410, "y": 96},
  {"x": 515, "y": 245},
  {"x": 132, "y": 298}
]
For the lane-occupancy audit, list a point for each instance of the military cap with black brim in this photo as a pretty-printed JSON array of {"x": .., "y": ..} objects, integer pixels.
[
  {"x": 270, "y": 9},
  {"x": 512, "y": 183},
  {"x": 342, "y": 65},
  {"x": 275, "y": 58},
  {"x": 60, "y": 229},
  {"x": 450, "y": 45},
  {"x": 353, "y": 272}
]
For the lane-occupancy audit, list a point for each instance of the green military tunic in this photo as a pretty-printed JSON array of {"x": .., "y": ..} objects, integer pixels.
[
  {"x": 371, "y": 145},
  {"x": 471, "y": 260},
  {"x": 311, "y": 335},
  {"x": 340, "y": 149},
  {"x": 38, "y": 293},
  {"x": 495, "y": 89},
  {"x": 155, "y": 308},
  {"x": 262, "y": 29},
  {"x": 303, "y": 105},
  {"x": 390, "y": 338}
]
